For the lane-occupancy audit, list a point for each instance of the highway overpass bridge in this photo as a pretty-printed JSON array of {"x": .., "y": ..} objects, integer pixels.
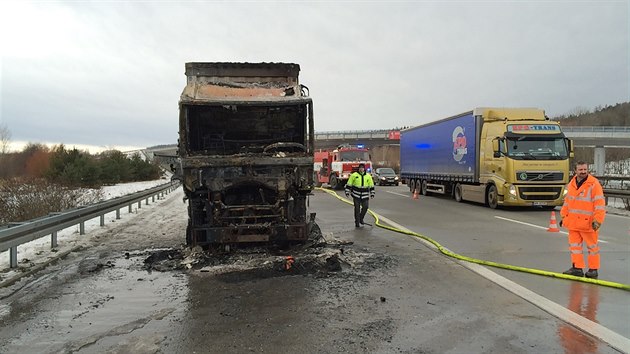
[
  {"x": 599, "y": 137},
  {"x": 581, "y": 136}
]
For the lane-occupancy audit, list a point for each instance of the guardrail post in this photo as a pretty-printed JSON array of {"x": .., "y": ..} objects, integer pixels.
[
  {"x": 103, "y": 220},
  {"x": 130, "y": 208},
  {"x": 153, "y": 198},
  {"x": 82, "y": 228},
  {"x": 117, "y": 214},
  {"x": 53, "y": 239},
  {"x": 13, "y": 257},
  {"x": 140, "y": 204},
  {"x": 146, "y": 201}
]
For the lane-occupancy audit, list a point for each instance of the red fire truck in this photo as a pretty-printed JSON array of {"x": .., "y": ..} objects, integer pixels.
[{"x": 334, "y": 167}]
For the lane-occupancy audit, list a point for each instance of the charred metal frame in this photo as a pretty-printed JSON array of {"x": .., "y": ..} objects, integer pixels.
[{"x": 246, "y": 143}]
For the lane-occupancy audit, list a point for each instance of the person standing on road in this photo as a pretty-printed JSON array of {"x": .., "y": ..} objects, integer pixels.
[
  {"x": 361, "y": 186},
  {"x": 583, "y": 213}
]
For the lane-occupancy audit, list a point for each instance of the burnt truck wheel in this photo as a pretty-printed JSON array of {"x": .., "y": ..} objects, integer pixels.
[
  {"x": 492, "y": 197},
  {"x": 457, "y": 193},
  {"x": 424, "y": 187},
  {"x": 314, "y": 233}
]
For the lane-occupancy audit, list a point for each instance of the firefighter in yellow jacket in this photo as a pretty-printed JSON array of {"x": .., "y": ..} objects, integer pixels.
[
  {"x": 361, "y": 186},
  {"x": 583, "y": 214}
]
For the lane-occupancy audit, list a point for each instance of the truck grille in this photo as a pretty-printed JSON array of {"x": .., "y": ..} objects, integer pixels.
[
  {"x": 539, "y": 176},
  {"x": 539, "y": 193}
]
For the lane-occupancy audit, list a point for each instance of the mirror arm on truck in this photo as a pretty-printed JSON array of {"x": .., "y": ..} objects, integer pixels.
[
  {"x": 569, "y": 143},
  {"x": 495, "y": 147}
]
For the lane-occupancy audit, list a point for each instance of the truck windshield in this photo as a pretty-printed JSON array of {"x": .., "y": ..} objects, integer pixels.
[
  {"x": 530, "y": 148},
  {"x": 354, "y": 156},
  {"x": 235, "y": 129},
  {"x": 386, "y": 172}
]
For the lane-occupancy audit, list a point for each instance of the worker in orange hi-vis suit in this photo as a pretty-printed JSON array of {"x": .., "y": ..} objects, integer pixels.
[{"x": 583, "y": 214}]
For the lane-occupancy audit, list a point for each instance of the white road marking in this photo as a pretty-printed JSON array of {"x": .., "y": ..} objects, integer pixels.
[
  {"x": 526, "y": 223},
  {"x": 614, "y": 339},
  {"x": 536, "y": 226},
  {"x": 400, "y": 227},
  {"x": 400, "y": 194}
]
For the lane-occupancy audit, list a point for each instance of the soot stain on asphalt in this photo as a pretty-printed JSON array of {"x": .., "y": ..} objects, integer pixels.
[{"x": 327, "y": 258}]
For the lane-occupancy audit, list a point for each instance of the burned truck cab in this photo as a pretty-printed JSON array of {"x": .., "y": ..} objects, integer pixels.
[{"x": 246, "y": 142}]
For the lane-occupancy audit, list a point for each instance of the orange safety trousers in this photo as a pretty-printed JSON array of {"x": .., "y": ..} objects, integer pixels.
[{"x": 576, "y": 240}]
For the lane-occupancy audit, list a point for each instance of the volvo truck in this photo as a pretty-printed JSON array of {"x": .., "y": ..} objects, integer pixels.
[{"x": 495, "y": 156}]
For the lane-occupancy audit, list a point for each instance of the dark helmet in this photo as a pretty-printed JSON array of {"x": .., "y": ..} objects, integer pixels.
[{"x": 361, "y": 165}]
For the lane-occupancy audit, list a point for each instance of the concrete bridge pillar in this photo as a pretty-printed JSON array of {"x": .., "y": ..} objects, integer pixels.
[{"x": 599, "y": 161}]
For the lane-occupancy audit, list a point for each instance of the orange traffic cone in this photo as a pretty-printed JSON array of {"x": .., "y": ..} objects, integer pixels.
[
  {"x": 553, "y": 227},
  {"x": 415, "y": 194}
]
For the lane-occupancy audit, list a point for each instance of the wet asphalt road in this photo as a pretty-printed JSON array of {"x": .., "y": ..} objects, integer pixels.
[
  {"x": 519, "y": 237},
  {"x": 392, "y": 295}
]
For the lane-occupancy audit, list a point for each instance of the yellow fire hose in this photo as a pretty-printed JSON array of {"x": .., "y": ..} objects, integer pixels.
[{"x": 449, "y": 253}]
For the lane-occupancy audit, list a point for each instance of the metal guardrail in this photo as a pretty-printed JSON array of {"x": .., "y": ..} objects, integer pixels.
[
  {"x": 597, "y": 129},
  {"x": 19, "y": 233},
  {"x": 612, "y": 178},
  {"x": 616, "y": 193}
]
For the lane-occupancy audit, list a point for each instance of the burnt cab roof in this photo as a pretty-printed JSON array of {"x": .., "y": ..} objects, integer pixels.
[{"x": 236, "y": 82}]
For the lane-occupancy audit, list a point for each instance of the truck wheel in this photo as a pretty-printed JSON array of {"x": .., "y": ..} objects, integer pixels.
[
  {"x": 457, "y": 193},
  {"x": 424, "y": 187},
  {"x": 492, "y": 197},
  {"x": 334, "y": 182},
  {"x": 412, "y": 185}
]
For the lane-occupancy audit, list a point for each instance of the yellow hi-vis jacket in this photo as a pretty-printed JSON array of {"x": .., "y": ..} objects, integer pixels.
[
  {"x": 584, "y": 205},
  {"x": 360, "y": 185}
]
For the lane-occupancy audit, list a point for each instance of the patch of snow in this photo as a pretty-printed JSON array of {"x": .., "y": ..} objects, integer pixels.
[{"x": 122, "y": 189}]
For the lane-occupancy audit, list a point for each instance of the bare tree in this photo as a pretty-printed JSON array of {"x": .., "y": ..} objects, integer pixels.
[
  {"x": 5, "y": 138},
  {"x": 579, "y": 111}
]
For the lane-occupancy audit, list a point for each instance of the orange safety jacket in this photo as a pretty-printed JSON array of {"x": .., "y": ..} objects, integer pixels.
[{"x": 584, "y": 205}]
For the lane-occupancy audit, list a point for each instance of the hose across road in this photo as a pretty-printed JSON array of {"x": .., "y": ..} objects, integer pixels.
[{"x": 452, "y": 254}]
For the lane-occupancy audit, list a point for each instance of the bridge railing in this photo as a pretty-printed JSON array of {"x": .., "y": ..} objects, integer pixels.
[{"x": 352, "y": 134}]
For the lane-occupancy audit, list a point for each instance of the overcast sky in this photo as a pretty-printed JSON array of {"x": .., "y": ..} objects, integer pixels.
[{"x": 110, "y": 73}]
